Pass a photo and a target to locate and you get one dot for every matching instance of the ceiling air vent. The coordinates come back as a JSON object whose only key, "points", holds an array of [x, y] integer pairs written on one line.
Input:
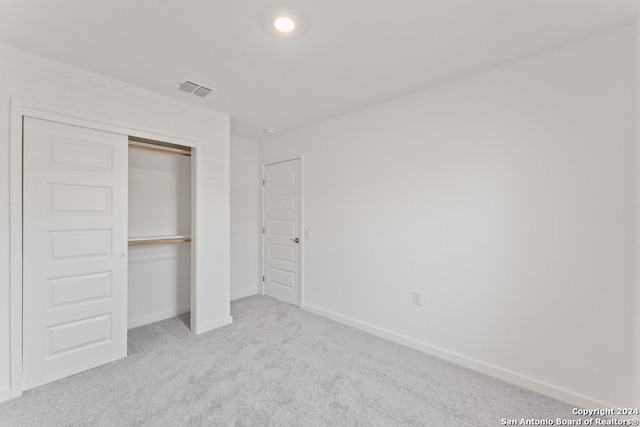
{"points": [[202, 91], [195, 88], [188, 86]]}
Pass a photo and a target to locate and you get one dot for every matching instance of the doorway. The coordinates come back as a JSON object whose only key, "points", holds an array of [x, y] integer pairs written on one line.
{"points": [[282, 242]]}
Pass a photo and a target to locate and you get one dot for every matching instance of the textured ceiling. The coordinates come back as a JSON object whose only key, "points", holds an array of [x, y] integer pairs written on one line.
{"points": [[345, 55]]}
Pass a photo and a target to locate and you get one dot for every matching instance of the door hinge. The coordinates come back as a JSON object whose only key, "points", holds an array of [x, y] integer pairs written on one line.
{"points": [[263, 182], [263, 278], [262, 230]]}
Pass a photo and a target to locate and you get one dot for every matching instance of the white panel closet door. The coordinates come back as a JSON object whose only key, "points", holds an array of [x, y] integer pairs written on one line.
{"points": [[75, 245], [281, 251]]}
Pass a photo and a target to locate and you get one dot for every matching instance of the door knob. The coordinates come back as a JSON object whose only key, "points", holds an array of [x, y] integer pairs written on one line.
{"points": [[296, 240]]}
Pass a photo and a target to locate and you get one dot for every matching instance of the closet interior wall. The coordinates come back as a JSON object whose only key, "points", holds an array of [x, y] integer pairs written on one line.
{"points": [[159, 272]]}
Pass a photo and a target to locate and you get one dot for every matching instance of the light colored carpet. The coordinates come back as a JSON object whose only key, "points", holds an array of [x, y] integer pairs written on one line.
{"points": [[278, 366]]}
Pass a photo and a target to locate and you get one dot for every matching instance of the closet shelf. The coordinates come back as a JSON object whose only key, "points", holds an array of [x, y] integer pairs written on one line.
{"points": [[160, 150], [158, 240]]}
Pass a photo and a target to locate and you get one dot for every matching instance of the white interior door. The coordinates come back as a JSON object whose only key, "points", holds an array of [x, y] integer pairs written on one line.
{"points": [[75, 245], [281, 216]]}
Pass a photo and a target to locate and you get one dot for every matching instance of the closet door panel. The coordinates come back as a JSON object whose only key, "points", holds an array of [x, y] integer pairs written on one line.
{"points": [[75, 245]]}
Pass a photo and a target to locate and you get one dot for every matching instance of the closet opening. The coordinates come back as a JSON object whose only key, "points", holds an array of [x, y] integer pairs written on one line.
{"points": [[159, 231], [106, 237]]}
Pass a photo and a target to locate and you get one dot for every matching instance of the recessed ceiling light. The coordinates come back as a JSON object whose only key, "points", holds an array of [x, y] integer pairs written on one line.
{"points": [[270, 131], [284, 24]]}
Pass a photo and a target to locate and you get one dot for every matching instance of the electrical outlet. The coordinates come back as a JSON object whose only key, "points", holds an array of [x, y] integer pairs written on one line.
{"points": [[417, 298]]}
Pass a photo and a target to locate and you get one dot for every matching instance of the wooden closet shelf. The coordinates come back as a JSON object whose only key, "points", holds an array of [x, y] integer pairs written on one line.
{"points": [[160, 150], [159, 241]]}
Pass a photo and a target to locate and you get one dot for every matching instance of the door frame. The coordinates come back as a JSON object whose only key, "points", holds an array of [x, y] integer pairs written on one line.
{"points": [[263, 165], [22, 108]]}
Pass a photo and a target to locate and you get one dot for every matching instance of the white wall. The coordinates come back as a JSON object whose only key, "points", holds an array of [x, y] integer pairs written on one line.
{"points": [[507, 199], [245, 217], [37, 79]]}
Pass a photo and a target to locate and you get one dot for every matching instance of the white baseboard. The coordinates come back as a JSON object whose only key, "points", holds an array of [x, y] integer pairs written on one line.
{"points": [[243, 294], [134, 323], [209, 326], [511, 377]]}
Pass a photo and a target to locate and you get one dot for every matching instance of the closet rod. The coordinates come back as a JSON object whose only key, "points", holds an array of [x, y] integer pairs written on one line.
{"points": [[159, 150], [159, 242]]}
